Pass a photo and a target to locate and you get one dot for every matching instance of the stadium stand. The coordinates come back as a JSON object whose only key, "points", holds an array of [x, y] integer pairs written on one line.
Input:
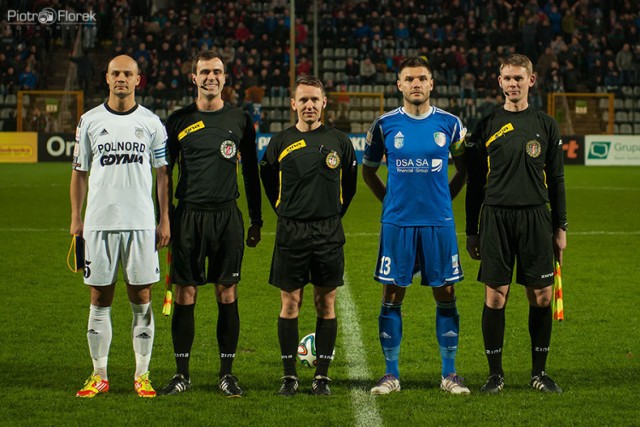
{"points": [[457, 37]]}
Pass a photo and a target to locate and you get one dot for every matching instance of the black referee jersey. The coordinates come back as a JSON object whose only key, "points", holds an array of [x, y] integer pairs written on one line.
{"points": [[514, 159], [205, 144], [309, 175]]}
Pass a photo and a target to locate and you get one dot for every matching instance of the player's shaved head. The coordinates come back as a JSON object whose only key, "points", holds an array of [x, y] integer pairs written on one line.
{"points": [[123, 62]]}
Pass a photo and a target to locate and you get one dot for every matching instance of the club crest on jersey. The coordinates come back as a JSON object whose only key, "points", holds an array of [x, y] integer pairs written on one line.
{"points": [[228, 149], [533, 148], [332, 160], [139, 132], [398, 140], [440, 139]]}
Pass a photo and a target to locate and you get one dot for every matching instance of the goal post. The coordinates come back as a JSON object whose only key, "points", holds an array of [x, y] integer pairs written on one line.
{"points": [[582, 113], [49, 110]]}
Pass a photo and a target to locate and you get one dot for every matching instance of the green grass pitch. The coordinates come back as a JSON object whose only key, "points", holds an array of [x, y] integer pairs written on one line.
{"points": [[595, 352]]}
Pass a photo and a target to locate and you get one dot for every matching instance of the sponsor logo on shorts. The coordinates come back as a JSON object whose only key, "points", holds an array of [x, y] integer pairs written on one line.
{"points": [[546, 276]]}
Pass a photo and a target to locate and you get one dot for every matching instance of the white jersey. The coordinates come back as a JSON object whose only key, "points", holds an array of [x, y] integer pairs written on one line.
{"points": [[119, 150]]}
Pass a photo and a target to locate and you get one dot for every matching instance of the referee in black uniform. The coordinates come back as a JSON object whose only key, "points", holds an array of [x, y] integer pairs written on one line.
{"points": [[205, 139], [516, 167], [309, 174]]}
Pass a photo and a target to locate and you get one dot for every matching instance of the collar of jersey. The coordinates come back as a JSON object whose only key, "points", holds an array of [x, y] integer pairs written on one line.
{"points": [[420, 117]]}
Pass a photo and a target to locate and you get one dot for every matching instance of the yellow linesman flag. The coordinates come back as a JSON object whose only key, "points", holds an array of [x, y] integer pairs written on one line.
{"points": [[168, 294], [558, 306]]}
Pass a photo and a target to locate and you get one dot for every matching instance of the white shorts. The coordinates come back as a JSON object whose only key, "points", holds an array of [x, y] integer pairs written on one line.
{"points": [[135, 250]]}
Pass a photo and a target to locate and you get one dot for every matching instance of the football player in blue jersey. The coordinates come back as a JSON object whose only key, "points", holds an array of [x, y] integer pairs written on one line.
{"points": [[418, 231]]}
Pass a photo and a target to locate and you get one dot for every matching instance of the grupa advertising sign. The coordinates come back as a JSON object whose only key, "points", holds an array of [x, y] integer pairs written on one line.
{"points": [[608, 150]]}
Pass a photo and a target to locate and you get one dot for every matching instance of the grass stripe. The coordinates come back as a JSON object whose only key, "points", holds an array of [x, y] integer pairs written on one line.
{"points": [[604, 188], [271, 233], [364, 405]]}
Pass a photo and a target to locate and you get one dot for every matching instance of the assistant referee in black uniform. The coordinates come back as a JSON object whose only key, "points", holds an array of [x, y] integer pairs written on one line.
{"points": [[204, 140], [309, 173], [515, 164]]}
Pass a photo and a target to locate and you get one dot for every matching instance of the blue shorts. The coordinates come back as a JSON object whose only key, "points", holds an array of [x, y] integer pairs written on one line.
{"points": [[406, 250]]}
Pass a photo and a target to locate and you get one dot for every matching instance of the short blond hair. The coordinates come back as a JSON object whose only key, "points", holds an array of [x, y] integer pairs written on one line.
{"points": [[517, 60]]}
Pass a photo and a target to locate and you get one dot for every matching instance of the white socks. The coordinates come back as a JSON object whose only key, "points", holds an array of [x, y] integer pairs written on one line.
{"points": [[99, 334], [99, 338], [142, 331]]}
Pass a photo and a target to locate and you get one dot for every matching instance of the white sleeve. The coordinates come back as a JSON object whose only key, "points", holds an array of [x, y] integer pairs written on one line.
{"points": [[82, 154], [158, 144]]}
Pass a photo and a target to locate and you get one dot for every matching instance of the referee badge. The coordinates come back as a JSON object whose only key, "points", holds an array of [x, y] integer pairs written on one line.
{"points": [[228, 149], [533, 148], [333, 160]]}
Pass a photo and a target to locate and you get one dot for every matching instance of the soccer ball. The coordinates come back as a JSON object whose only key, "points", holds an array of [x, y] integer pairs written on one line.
{"points": [[307, 351]]}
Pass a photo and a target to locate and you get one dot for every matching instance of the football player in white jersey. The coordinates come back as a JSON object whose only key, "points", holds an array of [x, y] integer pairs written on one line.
{"points": [[117, 145]]}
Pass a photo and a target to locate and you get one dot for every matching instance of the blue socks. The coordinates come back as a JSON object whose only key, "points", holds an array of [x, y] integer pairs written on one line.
{"points": [[390, 328], [447, 329]]}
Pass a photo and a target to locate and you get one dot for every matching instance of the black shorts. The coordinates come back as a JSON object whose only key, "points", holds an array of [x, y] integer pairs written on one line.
{"points": [[510, 235], [308, 251], [198, 234]]}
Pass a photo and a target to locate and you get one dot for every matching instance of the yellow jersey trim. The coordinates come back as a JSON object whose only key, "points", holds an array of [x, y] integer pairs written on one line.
{"points": [[505, 129], [293, 147], [193, 128], [279, 188]]}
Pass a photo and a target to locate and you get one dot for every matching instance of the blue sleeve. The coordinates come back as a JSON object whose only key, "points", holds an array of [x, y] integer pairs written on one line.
{"points": [[374, 149]]}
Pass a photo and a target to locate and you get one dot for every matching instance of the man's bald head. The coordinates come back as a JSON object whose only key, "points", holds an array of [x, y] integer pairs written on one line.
{"points": [[123, 63]]}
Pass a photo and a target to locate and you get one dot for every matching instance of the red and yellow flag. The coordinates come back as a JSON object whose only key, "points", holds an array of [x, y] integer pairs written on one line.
{"points": [[558, 306], [168, 295]]}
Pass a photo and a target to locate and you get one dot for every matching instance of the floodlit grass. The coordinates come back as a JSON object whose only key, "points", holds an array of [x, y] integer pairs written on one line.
{"points": [[595, 354]]}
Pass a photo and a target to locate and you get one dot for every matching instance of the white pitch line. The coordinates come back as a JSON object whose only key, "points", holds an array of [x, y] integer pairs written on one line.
{"points": [[364, 404]]}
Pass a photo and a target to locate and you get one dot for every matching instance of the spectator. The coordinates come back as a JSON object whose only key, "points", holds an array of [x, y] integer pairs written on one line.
{"points": [[469, 113], [302, 33], [304, 66], [10, 81], [39, 121], [367, 71], [467, 87], [242, 33], [28, 79], [402, 36], [612, 77], [624, 62], [570, 77], [352, 71]]}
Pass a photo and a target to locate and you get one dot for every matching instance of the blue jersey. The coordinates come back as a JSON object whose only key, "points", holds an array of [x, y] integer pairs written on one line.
{"points": [[417, 151]]}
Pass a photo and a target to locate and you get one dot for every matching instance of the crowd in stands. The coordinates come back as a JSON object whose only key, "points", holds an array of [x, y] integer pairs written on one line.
{"points": [[575, 45]]}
